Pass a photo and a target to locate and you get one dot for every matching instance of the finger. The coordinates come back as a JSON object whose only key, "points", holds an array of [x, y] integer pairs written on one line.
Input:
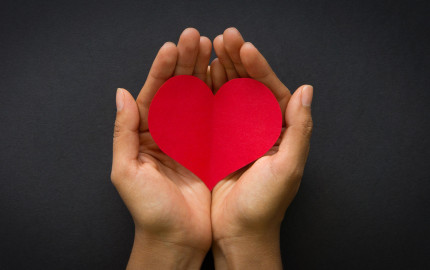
{"points": [[126, 137], [161, 70], [294, 147], [224, 58], [258, 68], [219, 77], [188, 48], [203, 58], [208, 77], [233, 41]]}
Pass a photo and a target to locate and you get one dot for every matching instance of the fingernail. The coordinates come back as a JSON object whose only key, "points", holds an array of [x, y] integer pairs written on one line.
{"points": [[307, 93], [119, 99]]}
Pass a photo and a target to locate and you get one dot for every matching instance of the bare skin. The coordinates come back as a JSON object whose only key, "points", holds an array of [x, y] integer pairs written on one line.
{"points": [[249, 205], [170, 205], [177, 219]]}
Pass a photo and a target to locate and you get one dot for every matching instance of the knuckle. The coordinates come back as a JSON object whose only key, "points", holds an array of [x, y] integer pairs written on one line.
{"points": [[307, 126], [189, 48], [165, 60], [117, 129]]}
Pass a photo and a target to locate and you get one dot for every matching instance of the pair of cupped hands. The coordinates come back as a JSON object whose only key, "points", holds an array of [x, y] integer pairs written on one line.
{"points": [[177, 218]]}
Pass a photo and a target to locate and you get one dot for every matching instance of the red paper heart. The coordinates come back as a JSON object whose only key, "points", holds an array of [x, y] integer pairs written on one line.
{"points": [[214, 136]]}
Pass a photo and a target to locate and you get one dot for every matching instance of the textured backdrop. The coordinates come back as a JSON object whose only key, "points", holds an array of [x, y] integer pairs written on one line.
{"points": [[364, 200]]}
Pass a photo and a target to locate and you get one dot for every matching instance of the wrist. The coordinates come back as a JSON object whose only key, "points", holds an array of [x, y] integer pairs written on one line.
{"points": [[152, 253], [252, 251]]}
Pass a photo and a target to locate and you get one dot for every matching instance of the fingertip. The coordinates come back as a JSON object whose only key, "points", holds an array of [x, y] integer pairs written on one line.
{"points": [[191, 31], [249, 45], [119, 99], [253, 61], [214, 62], [127, 111], [167, 55], [206, 44], [299, 104], [205, 40], [232, 32], [248, 52], [306, 95], [218, 40], [169, 48], [127, 94], [297, 95], [216, 67], [188, 43], [231, 28], [169, 44], [190, 35], [129, 102]]}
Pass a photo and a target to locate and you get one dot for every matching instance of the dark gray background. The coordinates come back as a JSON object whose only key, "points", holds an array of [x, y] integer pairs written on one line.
{"points": [[364, 199]]}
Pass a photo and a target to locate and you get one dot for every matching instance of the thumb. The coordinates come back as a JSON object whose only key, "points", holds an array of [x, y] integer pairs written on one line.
{"points": [[126, 137], [294, 147]]}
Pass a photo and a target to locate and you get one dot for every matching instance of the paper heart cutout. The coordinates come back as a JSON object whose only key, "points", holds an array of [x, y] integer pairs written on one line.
{"points": [[214, 135]]}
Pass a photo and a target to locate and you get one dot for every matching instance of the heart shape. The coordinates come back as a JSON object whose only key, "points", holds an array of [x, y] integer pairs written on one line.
{"points": [[214, 135]]}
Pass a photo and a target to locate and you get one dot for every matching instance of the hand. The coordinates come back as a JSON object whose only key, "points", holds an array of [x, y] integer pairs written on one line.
{"points": [[248, 206], [170, 206]]}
